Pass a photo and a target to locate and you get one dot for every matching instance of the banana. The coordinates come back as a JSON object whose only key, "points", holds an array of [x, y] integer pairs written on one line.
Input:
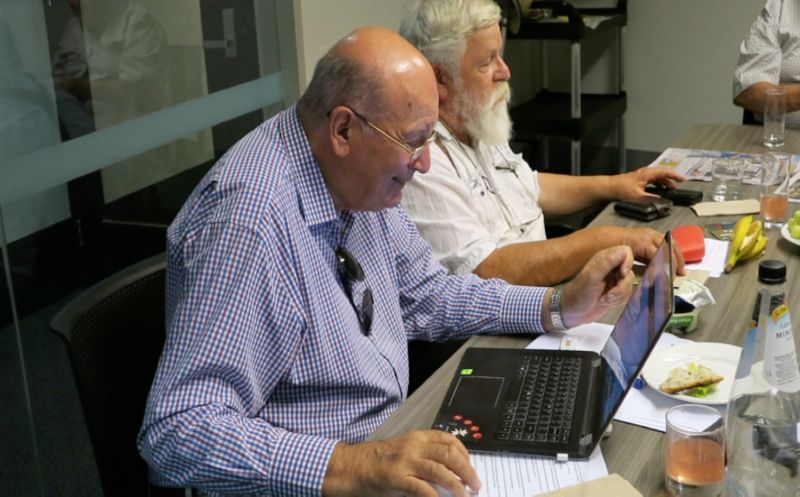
{"points": [[740, 231], [755, 229], [757, 250], [749, 242]]}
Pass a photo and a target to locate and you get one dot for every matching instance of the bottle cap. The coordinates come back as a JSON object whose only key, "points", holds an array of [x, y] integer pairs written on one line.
{"points": [[771, 271]]}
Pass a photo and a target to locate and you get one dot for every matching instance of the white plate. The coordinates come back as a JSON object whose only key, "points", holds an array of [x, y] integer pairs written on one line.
{"points": [[785, 234], [722, 358]]}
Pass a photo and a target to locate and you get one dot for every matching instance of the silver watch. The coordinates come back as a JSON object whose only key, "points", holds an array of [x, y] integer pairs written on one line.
{"points": [[555, 311]]}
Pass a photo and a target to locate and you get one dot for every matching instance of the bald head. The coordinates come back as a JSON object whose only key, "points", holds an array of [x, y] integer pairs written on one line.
{"points": [[373, 69], [382, 51]]}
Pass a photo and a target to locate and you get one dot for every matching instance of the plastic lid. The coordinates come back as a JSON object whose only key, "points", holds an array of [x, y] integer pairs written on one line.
{"points": [[771, 271]]}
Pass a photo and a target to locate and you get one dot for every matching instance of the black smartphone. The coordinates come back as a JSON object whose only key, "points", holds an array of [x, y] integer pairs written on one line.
{"points": [[676, 195], [654, 209]]}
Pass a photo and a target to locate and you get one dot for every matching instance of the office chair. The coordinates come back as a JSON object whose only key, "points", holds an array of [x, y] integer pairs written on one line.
{"points": [[114, 333], [749, 118]]}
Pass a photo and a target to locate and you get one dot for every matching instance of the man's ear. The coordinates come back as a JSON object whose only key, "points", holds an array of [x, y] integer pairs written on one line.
{"points": [[339, 131], [440, 83]]}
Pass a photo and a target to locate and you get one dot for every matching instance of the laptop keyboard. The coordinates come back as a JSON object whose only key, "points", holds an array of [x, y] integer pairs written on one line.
{"points": [[543, 410]]}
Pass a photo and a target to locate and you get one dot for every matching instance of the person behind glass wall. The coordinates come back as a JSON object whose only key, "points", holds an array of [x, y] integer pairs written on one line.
{"points": [[769, 58], [26, 113], [108, 65], [294, 282]]}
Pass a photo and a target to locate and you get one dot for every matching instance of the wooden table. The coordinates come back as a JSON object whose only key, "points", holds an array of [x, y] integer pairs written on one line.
{"points": [[634, 452]]}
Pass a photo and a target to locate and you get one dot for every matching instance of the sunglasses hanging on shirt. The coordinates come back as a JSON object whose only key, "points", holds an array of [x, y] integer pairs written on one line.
{"points": [[350, 271]]}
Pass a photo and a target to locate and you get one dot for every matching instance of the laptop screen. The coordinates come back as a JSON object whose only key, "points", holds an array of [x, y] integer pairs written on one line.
{"points": [[638, 328]]}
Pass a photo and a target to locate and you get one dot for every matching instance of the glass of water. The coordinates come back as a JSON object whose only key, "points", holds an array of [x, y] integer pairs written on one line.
{"points": [[774, 118], [694, 451], [727, 174]]}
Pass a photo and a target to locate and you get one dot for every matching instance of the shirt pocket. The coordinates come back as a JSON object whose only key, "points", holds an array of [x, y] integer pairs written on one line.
{"points": [[479, 186]]}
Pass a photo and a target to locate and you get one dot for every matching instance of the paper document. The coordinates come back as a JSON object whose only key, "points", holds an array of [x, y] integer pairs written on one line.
{"points": [[612, 484], [516, 475], [714, 258], [590, 336]]}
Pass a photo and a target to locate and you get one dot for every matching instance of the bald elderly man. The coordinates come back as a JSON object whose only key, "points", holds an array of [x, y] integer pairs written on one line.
{"points": [[294, 282]]}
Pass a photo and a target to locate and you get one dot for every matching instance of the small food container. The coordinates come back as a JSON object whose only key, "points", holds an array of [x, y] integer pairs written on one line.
{"points": [[684, 319], [690, 297]]}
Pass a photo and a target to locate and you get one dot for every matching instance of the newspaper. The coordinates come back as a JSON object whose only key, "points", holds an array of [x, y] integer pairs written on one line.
{"points": [[695, 165]]}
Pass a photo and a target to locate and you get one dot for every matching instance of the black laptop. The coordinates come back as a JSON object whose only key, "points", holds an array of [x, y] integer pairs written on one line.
{"points": [[557, 402]]}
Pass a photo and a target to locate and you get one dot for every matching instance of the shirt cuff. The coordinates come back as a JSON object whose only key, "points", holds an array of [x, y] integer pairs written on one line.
{"points": [[744, 81], [522, 309], [299, 464]]}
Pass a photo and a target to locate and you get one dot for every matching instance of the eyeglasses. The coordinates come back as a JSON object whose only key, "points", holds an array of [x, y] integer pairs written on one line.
{"points": [[349, 271], [415, 152]]}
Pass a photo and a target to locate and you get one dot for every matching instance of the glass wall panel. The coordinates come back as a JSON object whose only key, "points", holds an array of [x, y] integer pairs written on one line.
{"points": [[110, 113]]}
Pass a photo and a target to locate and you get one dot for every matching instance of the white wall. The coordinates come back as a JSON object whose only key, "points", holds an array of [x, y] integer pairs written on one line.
{"points": [[322, 23], [679, 58]]}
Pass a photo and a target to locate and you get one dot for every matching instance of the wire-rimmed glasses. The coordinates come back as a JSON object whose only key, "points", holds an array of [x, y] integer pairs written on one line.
{"points": [[415, 152]]}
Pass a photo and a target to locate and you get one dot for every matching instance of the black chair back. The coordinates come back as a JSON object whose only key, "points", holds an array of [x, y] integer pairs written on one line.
{"points": [[114, 332]]}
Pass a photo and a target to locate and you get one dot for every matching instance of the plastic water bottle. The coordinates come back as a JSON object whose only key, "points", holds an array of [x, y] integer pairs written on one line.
{"points": [[763, 423]]}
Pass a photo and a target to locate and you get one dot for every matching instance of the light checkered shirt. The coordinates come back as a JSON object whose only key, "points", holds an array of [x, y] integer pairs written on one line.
{"points": [[265, 367], [771, 51]]}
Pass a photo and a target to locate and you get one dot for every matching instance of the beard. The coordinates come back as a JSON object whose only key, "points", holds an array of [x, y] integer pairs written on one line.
{"points": [[488, 121]]}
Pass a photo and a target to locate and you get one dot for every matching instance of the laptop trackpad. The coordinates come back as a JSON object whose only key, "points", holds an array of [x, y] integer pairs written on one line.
{"points": [[476, 391]]}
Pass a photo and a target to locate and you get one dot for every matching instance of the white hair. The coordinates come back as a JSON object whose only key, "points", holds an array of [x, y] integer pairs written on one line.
{"points": [[488, 121], [439, 28]]}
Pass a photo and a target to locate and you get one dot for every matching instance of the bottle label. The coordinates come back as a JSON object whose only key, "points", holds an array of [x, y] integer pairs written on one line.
{"points": [[780, 360]]}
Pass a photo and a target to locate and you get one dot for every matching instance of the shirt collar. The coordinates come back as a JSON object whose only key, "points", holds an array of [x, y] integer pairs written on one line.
{"points": [[316, 202], [443, 132], [447, 136]]}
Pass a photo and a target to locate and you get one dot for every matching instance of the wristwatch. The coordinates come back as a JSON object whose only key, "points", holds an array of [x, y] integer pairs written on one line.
{"points": [[555, 311]]}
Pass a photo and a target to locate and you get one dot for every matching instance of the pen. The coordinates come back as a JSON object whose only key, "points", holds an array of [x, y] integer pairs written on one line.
{"points": [[638, 383]]}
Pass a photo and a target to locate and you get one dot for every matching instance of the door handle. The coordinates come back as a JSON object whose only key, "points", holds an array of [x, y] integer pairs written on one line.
{"points": [[228, 33]]}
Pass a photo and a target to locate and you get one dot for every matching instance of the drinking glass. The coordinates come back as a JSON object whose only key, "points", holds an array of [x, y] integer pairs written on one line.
{"points": [[773, 178], [774, 118], [695, 451], [727, 174]]}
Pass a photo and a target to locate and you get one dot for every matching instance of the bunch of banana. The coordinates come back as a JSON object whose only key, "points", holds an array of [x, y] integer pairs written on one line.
{"points": [[748, 242]]}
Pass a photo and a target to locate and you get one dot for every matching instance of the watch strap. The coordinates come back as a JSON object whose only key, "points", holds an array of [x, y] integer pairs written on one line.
{"points": [[555, 311]]}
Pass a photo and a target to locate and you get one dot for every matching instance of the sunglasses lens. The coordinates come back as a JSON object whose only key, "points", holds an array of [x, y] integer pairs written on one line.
{"points": [[352, 271], [351, 266], [366, 312]]}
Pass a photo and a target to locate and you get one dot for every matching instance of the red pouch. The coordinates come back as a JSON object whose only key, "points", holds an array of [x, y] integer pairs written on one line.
{"points": [[691, 240]]}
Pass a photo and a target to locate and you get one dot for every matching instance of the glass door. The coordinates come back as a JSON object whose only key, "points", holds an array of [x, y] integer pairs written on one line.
{"points": [[110, 113]]}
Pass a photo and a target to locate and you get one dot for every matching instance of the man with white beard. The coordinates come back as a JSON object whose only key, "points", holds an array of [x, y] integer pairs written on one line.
{"points": [[481, 207]]}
